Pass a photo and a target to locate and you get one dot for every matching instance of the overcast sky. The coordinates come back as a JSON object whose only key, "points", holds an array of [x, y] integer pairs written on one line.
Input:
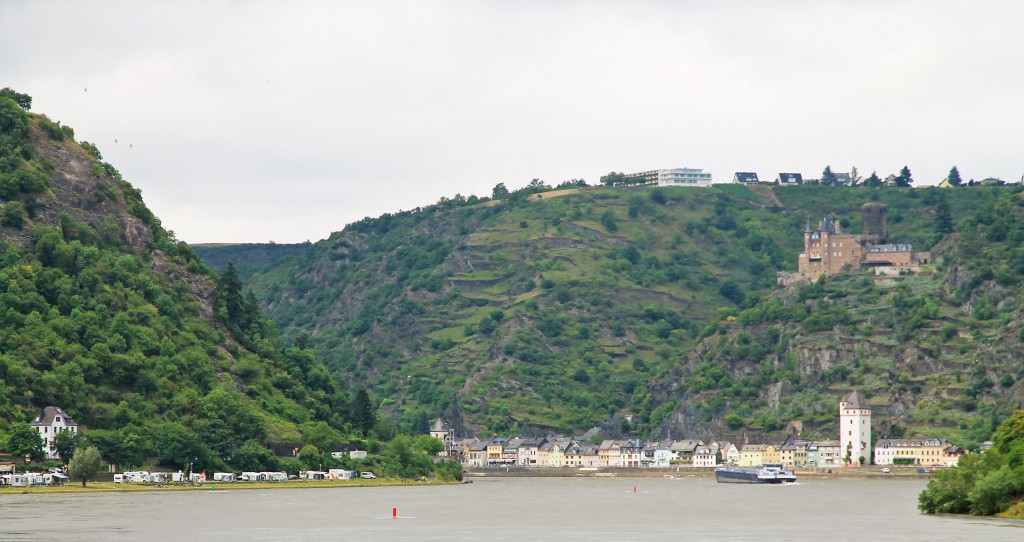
{"points": [[283, 121]]}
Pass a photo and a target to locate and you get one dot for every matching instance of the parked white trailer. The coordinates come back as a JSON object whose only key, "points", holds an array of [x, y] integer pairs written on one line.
{"points": [[178, 477], [225, 477], [159, 477], [16, 480], [312, 475], [274, 476], [136, 477], [251, 477], [340, 474]]}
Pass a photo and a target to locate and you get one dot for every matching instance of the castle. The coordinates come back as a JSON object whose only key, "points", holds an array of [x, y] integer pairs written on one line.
{"points": [[830, 251]]}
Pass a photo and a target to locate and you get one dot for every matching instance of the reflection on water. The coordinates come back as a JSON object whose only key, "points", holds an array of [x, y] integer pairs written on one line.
{"points": [[504, 509]]}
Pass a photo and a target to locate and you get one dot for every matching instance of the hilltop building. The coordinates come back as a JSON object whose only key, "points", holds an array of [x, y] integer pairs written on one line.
{"points": [[855, 429], [50, 421], [790, 179], [673, 177], [745, 177], [830, 251]]}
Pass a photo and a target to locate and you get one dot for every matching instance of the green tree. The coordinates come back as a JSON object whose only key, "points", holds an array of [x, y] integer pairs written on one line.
{"points": [[614, 178], [178, 446], [64, 443], [943, 217], [24, 101], [14, 215], [827, 177], [311, 457], [904, 179], [873, 181], [86, 463], [499, 191], [24, 441], [608, 221], [954, 177], [363, 415], [253, 457], [321, 435], [429, 445]]}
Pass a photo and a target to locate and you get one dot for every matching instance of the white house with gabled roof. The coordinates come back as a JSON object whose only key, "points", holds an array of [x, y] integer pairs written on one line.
{"points": [[50, 421]]}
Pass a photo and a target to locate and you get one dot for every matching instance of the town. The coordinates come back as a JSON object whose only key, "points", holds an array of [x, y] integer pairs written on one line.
{"points": [[850, 450]]}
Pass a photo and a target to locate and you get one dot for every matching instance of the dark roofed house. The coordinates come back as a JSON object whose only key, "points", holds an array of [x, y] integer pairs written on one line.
{"points": [[790, 179], [745, 177], [50, 421]]}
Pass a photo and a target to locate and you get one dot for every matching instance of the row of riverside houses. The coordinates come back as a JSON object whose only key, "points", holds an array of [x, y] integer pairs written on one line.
{"points": [[560, 451], [563, 451], [852, 448]]}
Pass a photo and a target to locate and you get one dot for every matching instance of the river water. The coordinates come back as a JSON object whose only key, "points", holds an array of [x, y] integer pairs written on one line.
{"points": [[520, 509]]}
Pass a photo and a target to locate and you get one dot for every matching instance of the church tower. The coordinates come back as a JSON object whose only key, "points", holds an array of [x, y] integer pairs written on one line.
{"points": [[854, 429]]}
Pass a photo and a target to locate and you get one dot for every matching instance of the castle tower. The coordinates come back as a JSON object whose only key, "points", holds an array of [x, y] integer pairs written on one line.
{"points": [[855, 429], [873, 223]]}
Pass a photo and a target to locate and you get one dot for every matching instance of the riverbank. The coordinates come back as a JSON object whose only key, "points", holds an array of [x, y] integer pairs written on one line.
{"points": [[106, 487], [902, 473]]}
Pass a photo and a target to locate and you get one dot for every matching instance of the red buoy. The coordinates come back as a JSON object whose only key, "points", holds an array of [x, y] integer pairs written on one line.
{"points": [[634, 489], [394, 512]]}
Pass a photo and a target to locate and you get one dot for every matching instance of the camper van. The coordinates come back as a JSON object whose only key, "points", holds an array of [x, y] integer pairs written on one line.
{"points": [[159, 477], [178, 477], [225, 477]]}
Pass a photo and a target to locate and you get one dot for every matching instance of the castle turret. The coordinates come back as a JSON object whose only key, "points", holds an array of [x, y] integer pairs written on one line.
{"points": [[873, 223], [855, 429]]}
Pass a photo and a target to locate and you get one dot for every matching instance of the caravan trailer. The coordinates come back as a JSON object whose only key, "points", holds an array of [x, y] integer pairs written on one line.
{"points": [[312, 475], [340, 474], [136, 477], [16, 480], [251, 477], [225, 477], [159, 477], [178, 477], [274, 476]]}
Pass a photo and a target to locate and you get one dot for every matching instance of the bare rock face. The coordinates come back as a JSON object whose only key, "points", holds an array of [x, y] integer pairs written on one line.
{"points": [[80, 187]]}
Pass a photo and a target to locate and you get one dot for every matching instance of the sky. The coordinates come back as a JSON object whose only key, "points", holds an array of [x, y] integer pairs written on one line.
{"points": [[284, 121]]}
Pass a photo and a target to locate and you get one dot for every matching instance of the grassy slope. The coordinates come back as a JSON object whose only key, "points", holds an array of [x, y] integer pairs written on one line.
{"points": [[937, 353], [109, 318], [587, 327]]}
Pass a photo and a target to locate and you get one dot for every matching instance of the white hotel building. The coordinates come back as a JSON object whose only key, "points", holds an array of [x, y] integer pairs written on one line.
{"points": [[682, 176]]}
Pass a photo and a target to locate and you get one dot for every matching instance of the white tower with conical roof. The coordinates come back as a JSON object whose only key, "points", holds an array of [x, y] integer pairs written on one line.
{"points": [[854, 429]]}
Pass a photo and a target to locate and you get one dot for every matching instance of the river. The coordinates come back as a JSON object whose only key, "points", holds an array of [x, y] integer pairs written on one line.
{"points": [[520, 509]]}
